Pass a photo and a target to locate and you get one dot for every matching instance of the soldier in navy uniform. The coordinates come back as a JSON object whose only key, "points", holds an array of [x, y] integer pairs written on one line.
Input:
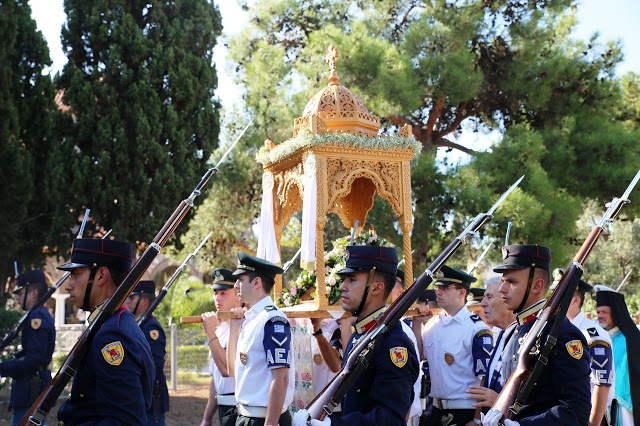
{"points": [[138, 302], [457, 345], [114, 383], [562, 394], [383, 393], [29, 368], [259, 354]]}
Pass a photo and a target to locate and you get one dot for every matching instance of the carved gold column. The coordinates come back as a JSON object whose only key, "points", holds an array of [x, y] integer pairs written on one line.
{"points": [[406, 221], [277, 288]]}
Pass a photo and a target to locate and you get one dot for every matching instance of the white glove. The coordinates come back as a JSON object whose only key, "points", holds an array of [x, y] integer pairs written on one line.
{"points": [[492, 418], [301, 417]]}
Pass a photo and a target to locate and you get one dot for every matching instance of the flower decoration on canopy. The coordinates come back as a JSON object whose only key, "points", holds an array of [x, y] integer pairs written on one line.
{"points": [[334, 261]]}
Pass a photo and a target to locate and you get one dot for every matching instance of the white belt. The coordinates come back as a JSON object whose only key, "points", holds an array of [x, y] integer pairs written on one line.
{"points": [[453, 404], [253, 411], [226, 399]]}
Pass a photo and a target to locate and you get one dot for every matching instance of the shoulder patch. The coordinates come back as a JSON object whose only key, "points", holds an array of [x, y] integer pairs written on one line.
{"points": [[599, 343], [36, 323], [574, 347], [475, 318], [592, 332], [399, 356], [484, 332], [113, 353], [154, 334], [269, 308]]}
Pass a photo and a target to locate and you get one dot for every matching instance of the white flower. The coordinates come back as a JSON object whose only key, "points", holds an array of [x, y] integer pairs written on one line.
{"points": [[327, 289], [373, 238], [287, 302], [332, 280]]}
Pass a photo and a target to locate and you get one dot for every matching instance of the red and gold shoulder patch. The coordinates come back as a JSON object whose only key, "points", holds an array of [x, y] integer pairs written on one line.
{"points": [[36, 323], [574, 347], [154, 334], [399, 356], [113, 353]]}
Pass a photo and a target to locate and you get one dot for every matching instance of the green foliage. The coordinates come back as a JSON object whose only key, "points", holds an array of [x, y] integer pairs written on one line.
{"points": [[196, 357], [140, 84], [188, 297], [8, 318], [26, 136]]}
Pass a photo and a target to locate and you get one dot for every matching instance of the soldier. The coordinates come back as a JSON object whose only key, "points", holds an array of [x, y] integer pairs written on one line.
{"points": [[383, 393], [613, 316], [562, 394], [114, 383], [29, 368], [138, 302], [259, 353], [325, 348], [457, 345], [222, 386]]}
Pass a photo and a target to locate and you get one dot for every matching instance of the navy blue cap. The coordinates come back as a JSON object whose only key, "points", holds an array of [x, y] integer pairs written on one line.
{"points": [[428, 296], [146, 287], [29, 277], [448, 275], [223, 279], [522, 256], [248, 263], [365, 258], [110, 253]]}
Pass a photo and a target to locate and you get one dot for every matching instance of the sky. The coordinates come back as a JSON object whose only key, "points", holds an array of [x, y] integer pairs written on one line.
{"points": [[612, 19]]}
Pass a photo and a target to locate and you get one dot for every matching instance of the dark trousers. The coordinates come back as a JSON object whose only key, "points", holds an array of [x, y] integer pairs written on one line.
{"points": [[285, 420], [227, 414], [449, 417]]}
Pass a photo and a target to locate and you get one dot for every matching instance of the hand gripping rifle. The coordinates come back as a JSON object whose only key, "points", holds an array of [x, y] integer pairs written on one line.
{"points": [[43, 299], [360, 356], [47, 399], [147, 314], [532, 356]]}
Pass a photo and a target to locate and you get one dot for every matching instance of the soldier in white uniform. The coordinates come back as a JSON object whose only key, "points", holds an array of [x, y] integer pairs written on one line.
{"points": [[602, 371], [259, 353], [325, 348], [457, 346], [222, 387]]}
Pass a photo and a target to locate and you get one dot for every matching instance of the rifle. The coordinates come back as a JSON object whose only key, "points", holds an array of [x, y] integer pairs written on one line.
{"points": [[549, 320], [358, 359], [147, 314], [48, 398], [42, 300]]}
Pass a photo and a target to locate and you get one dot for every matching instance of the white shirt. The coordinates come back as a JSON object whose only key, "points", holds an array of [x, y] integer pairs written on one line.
{"points": [[587, 326], [321, 372], [253, 379], [416, 405], [224, 385], [451, 338]]}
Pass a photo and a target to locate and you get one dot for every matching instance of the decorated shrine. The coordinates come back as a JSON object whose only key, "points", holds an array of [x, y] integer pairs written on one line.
{"points": [[336, 162]]}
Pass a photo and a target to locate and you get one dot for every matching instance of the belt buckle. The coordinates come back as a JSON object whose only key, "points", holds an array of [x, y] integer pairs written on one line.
{"points": [[440, 404]]}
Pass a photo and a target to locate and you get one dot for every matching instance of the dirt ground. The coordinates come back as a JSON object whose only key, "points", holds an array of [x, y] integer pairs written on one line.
{"points": [[187, 406]]}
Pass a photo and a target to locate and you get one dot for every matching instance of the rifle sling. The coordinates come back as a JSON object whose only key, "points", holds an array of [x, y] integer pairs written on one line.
{"points": [[552, 339]]}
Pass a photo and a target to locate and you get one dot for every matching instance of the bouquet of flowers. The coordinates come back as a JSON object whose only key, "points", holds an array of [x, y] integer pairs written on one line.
{"points": [[334, 261]]}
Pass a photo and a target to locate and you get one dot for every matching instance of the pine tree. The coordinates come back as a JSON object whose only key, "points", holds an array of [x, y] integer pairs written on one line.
{"points": [[143, 119]]}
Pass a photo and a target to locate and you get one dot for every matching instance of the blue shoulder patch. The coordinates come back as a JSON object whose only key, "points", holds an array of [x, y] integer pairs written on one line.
{"points": [[277, 342]]}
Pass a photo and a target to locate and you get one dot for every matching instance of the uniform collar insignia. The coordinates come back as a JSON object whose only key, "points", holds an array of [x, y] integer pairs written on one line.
{"points": [[530, 313], [365, 324], [93, 315]]}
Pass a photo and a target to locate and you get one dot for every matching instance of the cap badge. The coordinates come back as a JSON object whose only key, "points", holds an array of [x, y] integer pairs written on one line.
{"points": [[505, 252], [398, 356], [449, 358], [218, 276], [35, 323], [113, 353], [347, 256]]}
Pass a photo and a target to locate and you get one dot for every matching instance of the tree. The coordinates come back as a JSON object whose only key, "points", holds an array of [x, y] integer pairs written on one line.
{"points": [[143, 121], [27, 110]]}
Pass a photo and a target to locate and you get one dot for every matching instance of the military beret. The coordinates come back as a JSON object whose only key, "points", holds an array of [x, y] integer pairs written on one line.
{"points": [[110, 253], [29, 277], [248, 263], [448, 275], [222, 279], [557, 274], [522, 256], [146, 287], [365, 258]]}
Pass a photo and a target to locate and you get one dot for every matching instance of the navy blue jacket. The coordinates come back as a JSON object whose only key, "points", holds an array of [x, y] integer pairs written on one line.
{"points": [[114, 384], [158, 341], [38, 342], [383, 393], [562, 395]]}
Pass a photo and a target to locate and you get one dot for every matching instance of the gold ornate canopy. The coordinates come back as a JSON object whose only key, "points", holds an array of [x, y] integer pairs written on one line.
{"points": [[337, 140]]}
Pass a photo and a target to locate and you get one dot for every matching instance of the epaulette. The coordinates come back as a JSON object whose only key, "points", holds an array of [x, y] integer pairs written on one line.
{"points": [[269, 308], [475, 318], [592, 332]]}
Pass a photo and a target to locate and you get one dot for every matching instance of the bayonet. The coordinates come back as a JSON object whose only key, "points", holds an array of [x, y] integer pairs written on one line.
{"points": [[288, 264], [624, 279], [506, 237], [477, 262], [353, 233], [233, 144]]}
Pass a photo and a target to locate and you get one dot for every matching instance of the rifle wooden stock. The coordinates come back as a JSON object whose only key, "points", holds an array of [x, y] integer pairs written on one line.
{"points": [[41, 301], [47, 399]]}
